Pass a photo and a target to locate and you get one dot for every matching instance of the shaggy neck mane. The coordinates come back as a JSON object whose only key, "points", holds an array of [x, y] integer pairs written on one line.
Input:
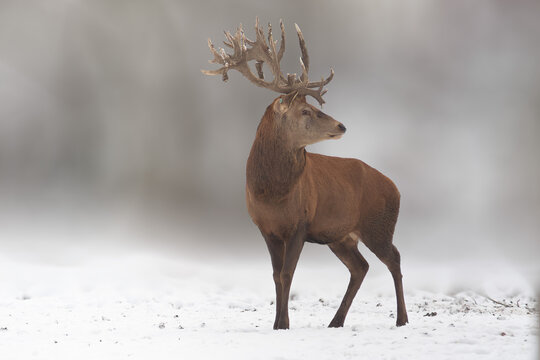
{"points": [[274, 166]]}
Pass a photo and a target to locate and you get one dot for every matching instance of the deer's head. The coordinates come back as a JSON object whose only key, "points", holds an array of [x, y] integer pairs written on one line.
{"points": [[303, 123]]}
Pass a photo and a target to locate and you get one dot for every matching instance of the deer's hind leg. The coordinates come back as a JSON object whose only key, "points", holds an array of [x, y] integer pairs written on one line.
{"points": [[378, 239], [390, 256], [347, 251]]}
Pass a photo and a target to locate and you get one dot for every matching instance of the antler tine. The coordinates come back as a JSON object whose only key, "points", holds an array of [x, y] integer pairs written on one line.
{"points": [[323, 82], [316, 94], [281, 50], [270, 36], [303, 49], [321, 90], [238, 43], [282, 45], [217, 56], [304, 77], [259, 33], [274, 64], [229, 41]]}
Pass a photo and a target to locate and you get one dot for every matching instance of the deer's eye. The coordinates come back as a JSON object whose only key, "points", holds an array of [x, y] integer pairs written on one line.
{"points": [[306, 112]]}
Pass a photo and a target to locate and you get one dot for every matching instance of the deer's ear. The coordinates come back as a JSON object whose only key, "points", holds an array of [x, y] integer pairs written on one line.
{"points": [[281, 105]]}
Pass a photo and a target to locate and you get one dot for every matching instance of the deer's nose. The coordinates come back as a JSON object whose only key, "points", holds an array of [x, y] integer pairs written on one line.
{"points": [[342, 127]]}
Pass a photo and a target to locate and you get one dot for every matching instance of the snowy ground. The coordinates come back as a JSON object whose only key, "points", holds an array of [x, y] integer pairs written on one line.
{"points": [[154, 306]]}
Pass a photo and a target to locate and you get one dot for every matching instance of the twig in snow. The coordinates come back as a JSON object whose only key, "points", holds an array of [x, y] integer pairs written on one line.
{"points": [[497, 302]]}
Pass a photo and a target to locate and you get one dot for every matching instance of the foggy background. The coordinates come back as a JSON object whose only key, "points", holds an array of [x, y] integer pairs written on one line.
{"points": [[111, 135]]}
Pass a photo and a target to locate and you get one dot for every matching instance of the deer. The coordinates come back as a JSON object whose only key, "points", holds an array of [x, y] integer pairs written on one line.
{"points": [[294, 196]]}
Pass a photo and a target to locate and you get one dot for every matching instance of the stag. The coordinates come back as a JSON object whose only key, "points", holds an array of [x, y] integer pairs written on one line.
{"points": [[294, 196]]}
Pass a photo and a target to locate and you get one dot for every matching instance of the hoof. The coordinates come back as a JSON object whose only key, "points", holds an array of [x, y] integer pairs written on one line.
{"points": [[401, 323], [335, 324], [281, 327]]}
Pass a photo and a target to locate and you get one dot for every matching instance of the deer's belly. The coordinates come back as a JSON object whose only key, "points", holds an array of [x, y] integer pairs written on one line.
{"points": [[332, 223]]}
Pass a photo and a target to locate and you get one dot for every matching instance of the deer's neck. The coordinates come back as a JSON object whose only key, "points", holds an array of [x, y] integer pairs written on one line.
{"points": [[274, 166]]}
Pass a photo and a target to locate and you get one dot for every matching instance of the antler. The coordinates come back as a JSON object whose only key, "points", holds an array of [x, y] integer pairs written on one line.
{"points": [[265, 52]]}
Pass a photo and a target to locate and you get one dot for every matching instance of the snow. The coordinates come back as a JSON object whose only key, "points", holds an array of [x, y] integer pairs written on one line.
{"points": [[143, 305]]}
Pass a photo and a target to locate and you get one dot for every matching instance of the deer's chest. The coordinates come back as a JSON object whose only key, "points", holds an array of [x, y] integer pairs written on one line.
{"points": [[280, 216]]}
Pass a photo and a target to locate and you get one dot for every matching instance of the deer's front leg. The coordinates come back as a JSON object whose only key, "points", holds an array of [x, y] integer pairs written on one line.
{"points": [[276, 247], [293, 248]]}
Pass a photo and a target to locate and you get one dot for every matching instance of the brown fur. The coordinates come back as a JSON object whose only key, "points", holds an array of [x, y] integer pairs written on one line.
{"points": [[295, 197]]}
